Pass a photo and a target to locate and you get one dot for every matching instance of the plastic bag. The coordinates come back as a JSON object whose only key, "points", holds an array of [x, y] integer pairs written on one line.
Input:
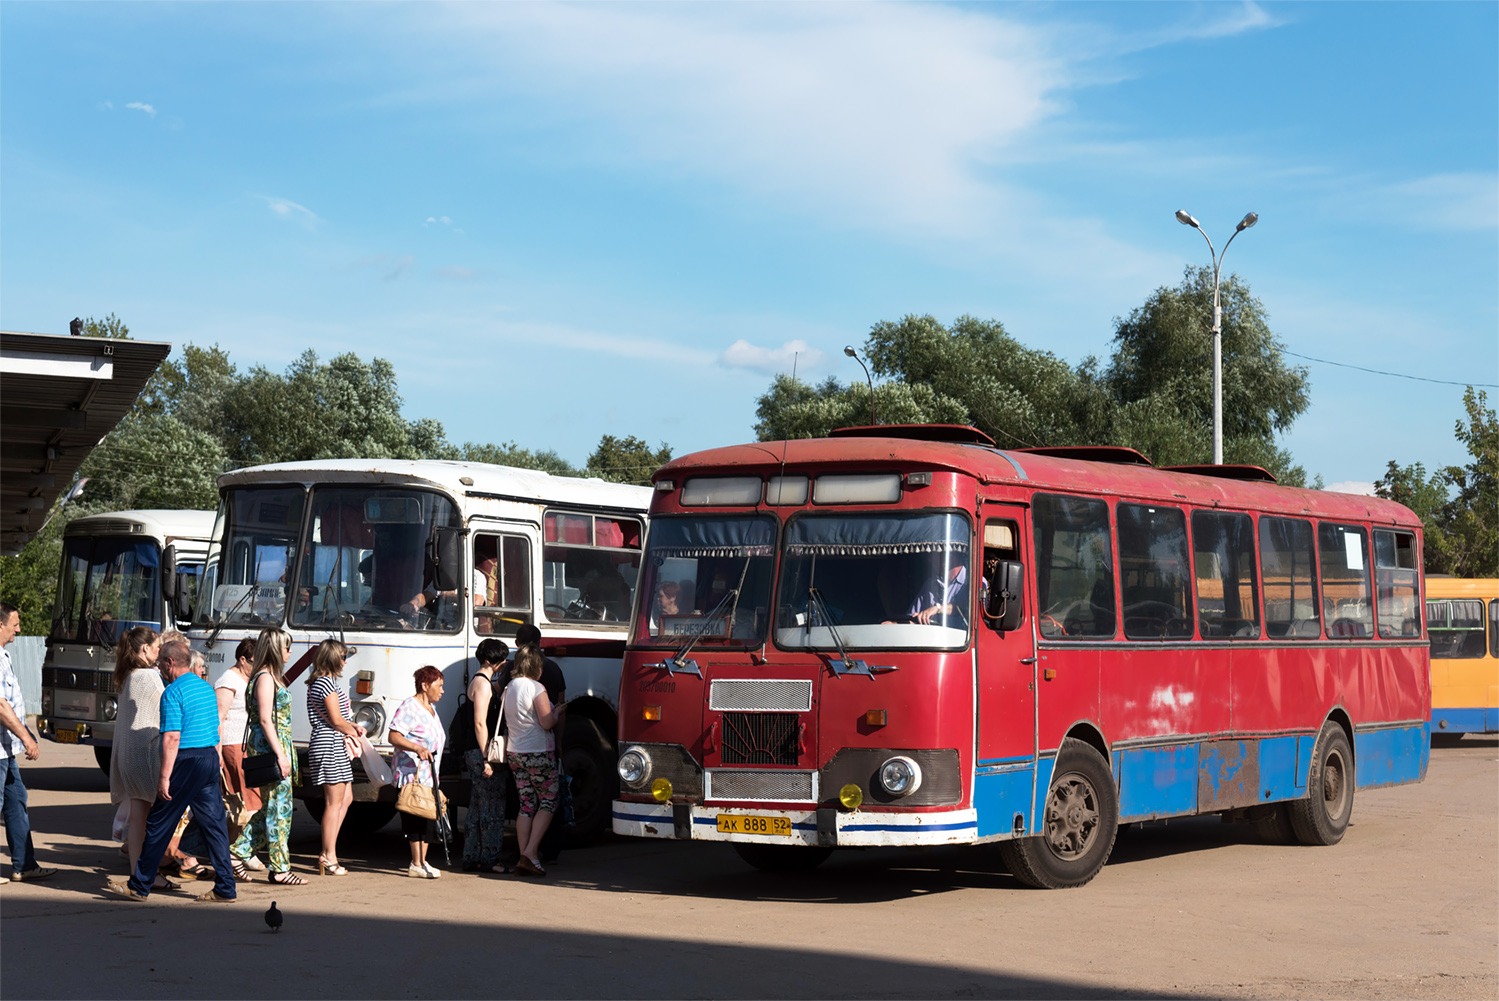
{"points": [[121, 826], [375, 767]]}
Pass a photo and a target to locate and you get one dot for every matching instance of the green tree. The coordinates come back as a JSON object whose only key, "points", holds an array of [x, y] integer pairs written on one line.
{"points": [[111, 326], [1426, 495], [510, 454], [1470, 520], [1155, 395], [626, 460]]}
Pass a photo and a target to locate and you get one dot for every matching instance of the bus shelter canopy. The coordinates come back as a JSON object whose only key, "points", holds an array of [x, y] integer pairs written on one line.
{"points": [[59, 396]]}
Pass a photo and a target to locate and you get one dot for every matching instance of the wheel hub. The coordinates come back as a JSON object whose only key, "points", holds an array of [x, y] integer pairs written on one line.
{"points": [[1071, 816]]}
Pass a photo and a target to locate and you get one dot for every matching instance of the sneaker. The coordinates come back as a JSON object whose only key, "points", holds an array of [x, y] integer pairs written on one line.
{"points": [[417, 872], [212, 897], [254, 864], [432, 871], [33, 874], [124, 890]]}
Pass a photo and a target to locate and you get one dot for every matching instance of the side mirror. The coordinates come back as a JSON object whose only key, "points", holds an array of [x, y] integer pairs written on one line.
{"points": [[445, 554], [169, 575], [182, 596], [1006, 596]]}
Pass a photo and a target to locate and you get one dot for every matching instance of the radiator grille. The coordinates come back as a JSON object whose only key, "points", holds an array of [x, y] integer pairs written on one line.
{"points": [[763, 786], [761, 696], [760, 738], [107, 682], [75, 678]]}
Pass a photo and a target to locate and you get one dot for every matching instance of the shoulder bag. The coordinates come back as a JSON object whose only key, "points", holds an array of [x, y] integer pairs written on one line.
{"points": [[420, 800], [494, 754], [260, 769]]}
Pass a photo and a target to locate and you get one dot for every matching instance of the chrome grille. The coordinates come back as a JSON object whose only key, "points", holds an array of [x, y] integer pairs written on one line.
{"points": [[762, 785], [760, 738], [77, 679], [107, 682], [761, 696]]}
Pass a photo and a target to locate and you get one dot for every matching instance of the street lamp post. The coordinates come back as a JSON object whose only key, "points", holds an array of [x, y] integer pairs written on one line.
{"points": [[1185, 218], [855, 356]]}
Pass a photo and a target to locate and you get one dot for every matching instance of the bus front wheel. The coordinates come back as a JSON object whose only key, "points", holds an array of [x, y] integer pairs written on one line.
{"points": [[782, 858], [589, 759], [1078, 827], [1323, 816], [101, 758]]}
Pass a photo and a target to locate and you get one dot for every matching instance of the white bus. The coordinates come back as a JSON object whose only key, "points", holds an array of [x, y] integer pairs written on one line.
{"points": [[124, 569], [413, 563]]}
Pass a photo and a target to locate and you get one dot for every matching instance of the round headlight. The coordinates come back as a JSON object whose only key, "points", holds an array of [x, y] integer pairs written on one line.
{"points": [[634, 767], [900, 776], [46, 702], [111, 707], [371, 718]]}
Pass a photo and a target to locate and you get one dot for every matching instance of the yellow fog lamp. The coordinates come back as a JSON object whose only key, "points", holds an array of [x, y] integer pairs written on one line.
{"points": [[851, 796], [661, 790]]}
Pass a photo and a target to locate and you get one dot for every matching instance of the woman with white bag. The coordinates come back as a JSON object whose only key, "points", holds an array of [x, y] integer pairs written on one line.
{"points": [[485, 831]]}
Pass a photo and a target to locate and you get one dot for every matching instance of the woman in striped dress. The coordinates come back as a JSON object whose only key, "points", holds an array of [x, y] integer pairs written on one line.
{"points": [[329, 749]]}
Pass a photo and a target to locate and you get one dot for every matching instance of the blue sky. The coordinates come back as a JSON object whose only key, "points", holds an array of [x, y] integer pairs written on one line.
{"points": [[563, 221]]}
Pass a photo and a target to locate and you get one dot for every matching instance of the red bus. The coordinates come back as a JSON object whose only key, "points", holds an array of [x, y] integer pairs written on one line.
{"points": [[908, 636]]}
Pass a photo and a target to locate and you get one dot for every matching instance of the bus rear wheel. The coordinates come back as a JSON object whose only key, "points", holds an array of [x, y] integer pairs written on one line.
{"points": [[782, 858], [1323, 816], [589, 760], [101, 758], [1079, 825], [362, 820]]}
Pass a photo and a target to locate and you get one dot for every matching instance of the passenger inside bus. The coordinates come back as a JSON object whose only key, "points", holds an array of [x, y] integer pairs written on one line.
{"points": [[940, 600]]}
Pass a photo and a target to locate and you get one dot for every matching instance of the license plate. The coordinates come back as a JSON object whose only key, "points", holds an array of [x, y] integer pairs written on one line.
{"points": [[735, 823], [67, 736]]}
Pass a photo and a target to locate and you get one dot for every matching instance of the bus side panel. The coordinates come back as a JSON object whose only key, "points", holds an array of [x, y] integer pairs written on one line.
{"points": [[1000, 793], [1391, 756], [1392, 684], [1156, 781], [1157, 692], [1070, 695], [1280, 688]]}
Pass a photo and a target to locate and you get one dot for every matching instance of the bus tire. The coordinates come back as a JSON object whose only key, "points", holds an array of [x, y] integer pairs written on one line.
{"points": [[589, 759], [1080, 822], [782, 858], [1275, 827], [1323, 816], [101, 757]]}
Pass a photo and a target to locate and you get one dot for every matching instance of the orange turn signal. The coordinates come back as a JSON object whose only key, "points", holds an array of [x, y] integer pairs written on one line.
{"points": [[876, 717], [1048, 673], [364, 683], [650, 713]]}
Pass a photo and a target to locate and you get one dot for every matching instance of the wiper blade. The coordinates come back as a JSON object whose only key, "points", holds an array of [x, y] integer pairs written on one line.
{"points": [[219, 626], [675, 664], [842, 665]]}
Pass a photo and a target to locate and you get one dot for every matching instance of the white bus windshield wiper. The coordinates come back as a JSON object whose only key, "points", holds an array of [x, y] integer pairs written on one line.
{"points": [[842, 665], [675, 663], [219, 626]]}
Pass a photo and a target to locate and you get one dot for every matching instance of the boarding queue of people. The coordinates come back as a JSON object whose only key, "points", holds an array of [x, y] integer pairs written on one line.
{"points": [[201, 775]]}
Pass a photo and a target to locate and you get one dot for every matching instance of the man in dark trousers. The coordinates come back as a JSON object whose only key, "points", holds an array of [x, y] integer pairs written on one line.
{"points": [[190, 765]]}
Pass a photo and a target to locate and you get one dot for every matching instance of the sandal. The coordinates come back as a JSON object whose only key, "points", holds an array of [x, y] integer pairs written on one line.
{"points": [[241, 871], [199, 871], [287, 878], [502, 869], [327, 868], [165, 884]]}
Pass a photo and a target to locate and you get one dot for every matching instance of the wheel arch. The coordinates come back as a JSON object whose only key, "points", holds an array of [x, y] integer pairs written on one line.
{"points": [[593, 708], [1339, 715], [1088, 732]]}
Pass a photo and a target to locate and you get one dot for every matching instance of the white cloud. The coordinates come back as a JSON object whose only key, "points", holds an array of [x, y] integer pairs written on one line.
{"points": [[139, 106], [106, 105], [595, 344], [1364, 488], [287, 209], [770, 361]]}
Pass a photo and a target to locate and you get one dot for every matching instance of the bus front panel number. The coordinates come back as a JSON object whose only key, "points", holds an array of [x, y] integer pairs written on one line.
{"points": [[733, 823]]}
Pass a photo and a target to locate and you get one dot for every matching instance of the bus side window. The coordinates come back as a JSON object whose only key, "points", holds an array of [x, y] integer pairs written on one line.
{"points": [[1289, 571], [1153, 572], [1343, 553], [1228, 603], [1001, 546], [1494, 628], [1074, 568], [1396, 584], [501, 585]]}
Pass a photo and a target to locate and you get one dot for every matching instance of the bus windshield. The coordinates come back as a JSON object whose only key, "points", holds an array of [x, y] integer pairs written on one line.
{"points": [[108, 585], [886, 581], [250, 556], [365, 564], [707, 577]]}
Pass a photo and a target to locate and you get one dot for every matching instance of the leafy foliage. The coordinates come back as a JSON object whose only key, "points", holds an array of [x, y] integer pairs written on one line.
{"points": [[626, 460], [1155, 395]]}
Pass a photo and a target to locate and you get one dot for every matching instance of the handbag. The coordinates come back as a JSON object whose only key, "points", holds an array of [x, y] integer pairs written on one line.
{"points": [[494, 754], [419, 801], [260, 769]]}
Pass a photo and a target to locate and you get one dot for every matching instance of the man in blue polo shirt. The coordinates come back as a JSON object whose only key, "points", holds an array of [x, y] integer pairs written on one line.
{"points": [[189, 777]]}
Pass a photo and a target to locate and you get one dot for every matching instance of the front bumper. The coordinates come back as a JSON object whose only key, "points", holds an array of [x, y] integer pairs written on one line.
{"points": [[829, 827]]}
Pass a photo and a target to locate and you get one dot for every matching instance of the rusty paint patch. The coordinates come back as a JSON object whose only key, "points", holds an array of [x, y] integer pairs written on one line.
{"points": [[1228, 775]]}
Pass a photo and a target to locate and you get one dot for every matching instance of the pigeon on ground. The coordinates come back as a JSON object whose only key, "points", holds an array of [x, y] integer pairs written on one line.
{"points": [[273, 918]]}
